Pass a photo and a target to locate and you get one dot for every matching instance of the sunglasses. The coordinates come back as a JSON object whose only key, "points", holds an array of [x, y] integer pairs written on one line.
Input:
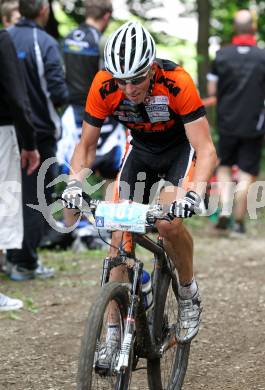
{"points": [[135, 81]]}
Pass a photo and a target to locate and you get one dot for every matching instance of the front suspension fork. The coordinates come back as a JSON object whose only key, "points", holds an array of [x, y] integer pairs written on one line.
{"points": [[129, 332]]}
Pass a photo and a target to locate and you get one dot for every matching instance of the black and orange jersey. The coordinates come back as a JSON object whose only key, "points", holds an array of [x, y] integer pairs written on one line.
{"points": [[158, 122]]}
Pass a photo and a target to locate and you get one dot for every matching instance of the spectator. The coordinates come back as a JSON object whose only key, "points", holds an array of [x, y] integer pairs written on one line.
{"points": [[10, 14], [42, 71], [14, 110], [237, 79], [82, 59]]}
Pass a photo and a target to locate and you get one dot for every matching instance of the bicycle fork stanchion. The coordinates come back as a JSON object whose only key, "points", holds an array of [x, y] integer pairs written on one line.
{"points": [[105, 273], [124, 356]]}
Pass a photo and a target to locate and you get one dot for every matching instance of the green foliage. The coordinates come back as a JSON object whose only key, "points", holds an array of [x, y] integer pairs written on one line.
{"points": [[222, 17], [66, 22], [222, 12], [140, 8], [74, 8], [261, 20]]}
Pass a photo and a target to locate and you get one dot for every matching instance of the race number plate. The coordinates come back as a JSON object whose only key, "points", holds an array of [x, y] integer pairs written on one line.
{"points": [[123, 216]]}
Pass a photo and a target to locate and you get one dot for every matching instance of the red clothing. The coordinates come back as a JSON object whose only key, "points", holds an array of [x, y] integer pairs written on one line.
{"points": [[244, 40]]}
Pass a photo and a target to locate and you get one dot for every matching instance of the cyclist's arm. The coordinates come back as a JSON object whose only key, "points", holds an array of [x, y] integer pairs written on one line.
{"points": [[85, 152], [198, 134]]}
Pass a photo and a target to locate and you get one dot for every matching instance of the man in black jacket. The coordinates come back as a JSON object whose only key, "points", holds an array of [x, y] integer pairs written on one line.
{"points": [[43, 74], [14, 111], [238, 79]]}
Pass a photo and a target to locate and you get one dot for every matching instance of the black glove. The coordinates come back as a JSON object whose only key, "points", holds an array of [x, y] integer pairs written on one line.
{"points": [[186, 207], [72, 196]]}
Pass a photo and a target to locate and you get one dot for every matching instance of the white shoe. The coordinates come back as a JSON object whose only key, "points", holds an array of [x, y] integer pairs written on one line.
{"points": [[188, 318], [107, 355], [7, 303]]}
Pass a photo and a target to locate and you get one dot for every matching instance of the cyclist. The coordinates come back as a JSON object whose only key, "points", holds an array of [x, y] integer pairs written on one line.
{"points": [[157, 100]]}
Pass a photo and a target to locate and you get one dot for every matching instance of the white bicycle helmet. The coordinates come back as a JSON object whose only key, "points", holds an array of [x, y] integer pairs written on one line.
{"points": [[129, 51]]}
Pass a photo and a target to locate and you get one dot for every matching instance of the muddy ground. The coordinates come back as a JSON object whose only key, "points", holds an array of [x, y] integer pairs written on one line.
{"points": [[39, 345]]}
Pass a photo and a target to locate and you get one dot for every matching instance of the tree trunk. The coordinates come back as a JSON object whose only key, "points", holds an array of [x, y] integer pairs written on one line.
{"points": [[203, 8]]}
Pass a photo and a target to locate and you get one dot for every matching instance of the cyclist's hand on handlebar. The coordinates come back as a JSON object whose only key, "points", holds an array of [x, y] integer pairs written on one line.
{"points": [[72, 196], [186, 207]]}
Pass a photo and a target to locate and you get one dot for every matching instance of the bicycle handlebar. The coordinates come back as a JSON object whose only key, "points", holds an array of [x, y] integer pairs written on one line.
{"points": [[155, 211]]}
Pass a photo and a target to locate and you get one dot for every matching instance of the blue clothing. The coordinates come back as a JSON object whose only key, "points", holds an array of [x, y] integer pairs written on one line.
{"points": [[42, 72], [42, 69], [81, 58]]}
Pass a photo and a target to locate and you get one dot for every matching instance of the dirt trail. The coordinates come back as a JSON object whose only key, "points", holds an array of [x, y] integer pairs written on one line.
{"points": [[40, 344]]}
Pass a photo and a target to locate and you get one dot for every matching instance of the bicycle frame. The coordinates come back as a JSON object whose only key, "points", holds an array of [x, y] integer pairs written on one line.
{"points": [[146, 345]]}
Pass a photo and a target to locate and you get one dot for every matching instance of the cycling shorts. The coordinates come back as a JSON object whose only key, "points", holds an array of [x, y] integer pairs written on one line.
{"points": [[141, 172], [243, 152]]}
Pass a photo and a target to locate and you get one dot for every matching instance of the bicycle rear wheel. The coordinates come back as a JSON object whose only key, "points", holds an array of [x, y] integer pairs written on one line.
{"points": [[168, 372], [90, 375]]}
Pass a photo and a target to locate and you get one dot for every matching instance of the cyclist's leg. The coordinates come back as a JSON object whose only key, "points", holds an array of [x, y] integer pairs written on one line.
{"points": [[177, 239], [179, 244]]}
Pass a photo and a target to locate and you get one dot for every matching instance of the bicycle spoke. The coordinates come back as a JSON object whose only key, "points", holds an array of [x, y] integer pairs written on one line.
{"points": [[168, 358]]}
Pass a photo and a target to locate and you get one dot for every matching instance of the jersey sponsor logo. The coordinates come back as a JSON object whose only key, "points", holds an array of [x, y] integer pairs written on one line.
{"points": [[108, 87], [126, 105], [128, 102], [158, 117], [156, 100], [153, 127], [133, 114], [169, 84], [130, 118], [162, 108], [128, 112], [78, 44], [78, 35], [157, 112]]}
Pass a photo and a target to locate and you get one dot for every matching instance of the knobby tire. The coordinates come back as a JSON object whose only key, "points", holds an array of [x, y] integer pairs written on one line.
{"points": [[111, 291], [181, 356]]}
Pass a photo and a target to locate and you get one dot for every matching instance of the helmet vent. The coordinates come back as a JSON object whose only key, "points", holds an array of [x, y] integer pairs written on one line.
{"points": [[129, 51]]}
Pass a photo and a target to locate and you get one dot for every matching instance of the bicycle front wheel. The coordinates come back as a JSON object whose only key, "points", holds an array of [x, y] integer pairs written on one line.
{"points": [[168, 372], [91, 374]]}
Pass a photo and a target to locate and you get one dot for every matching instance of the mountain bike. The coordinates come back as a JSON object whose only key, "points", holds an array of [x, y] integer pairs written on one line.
{"points": [[148, 334]]}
